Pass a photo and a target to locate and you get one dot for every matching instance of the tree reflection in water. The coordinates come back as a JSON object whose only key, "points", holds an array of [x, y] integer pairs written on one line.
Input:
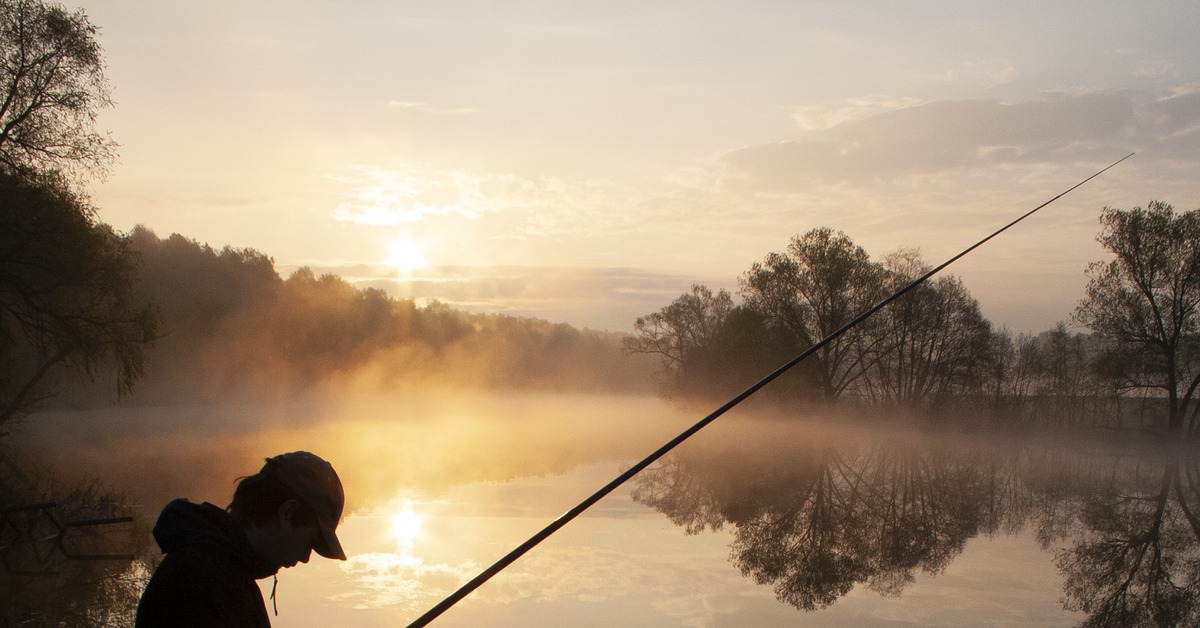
{"points": [[1135, 560], [69, 555], [815, 519]]}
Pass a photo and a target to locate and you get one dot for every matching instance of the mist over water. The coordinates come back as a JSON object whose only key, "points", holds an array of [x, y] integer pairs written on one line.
{"points": [[761, 519], [378, 444]]}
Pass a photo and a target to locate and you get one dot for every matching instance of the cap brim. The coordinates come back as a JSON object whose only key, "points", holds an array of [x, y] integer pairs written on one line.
{"points": [[331, 547]]}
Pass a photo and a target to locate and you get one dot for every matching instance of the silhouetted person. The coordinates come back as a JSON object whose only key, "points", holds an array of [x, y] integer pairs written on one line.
{"points": [[213, 556]]}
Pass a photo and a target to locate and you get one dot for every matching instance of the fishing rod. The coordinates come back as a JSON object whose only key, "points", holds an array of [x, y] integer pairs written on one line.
{"points": [[566, 517]]}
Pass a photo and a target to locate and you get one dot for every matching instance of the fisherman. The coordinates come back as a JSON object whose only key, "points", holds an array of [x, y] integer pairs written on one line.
{"points": [[213, 556]]}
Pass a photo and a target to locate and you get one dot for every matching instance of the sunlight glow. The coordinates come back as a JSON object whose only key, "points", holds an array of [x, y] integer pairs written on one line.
{"points": [[406, 255], [406, 523]]}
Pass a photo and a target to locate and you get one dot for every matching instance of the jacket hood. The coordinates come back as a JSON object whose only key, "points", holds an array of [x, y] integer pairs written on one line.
{"points": [[183, 525]]}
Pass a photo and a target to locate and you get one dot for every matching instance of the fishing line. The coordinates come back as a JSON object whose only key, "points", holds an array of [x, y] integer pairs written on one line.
{"points": [[566, 517]]}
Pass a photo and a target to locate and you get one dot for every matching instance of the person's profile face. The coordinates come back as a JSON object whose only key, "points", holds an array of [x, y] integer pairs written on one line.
{"points": [[290, 542], [299, 545]]}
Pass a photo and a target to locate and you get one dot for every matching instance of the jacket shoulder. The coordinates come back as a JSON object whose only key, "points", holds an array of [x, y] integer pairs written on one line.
{"points": [[201, 586]]}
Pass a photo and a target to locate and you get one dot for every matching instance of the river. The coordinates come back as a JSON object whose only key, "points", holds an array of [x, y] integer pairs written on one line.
{"points": [[757, 521]]}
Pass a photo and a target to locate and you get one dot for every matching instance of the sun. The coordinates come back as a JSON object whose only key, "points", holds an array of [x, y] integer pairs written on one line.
{"points": [[406, 523], [406, 255]]}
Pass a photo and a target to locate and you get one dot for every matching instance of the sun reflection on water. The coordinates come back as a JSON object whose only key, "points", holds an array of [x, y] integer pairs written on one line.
{"points": [[395, 574]]}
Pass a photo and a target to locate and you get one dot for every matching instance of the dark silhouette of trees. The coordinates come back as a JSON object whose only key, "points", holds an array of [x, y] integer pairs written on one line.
{"points": [[931, 344], [52, 85], [707, 346], [66, 282], [197, 286], [1146, 303], [933, 350], [1056, 377], [820, 283], [682, 329], [66, 294]]}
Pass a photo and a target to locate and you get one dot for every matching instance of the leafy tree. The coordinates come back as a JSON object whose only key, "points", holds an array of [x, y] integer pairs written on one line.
{"points": [[197, 286], [66, 294], [1146, 301], [931, 344], [53, 85], [820, 283]]}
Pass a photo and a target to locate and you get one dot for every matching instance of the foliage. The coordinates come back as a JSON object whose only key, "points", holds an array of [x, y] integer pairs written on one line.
{"points": [[930, 346], [52, 70], [1146, 302], [66, 294], [820, 283], [706, 345]]}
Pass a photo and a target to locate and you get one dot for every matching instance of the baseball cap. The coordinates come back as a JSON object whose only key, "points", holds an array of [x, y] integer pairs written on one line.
{"points": [[313, 480]]}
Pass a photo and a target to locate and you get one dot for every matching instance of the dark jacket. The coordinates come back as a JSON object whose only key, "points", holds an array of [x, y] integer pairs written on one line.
{"points": [[207, 577]]}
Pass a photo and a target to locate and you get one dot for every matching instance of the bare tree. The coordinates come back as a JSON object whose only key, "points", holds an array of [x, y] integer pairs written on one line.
{"points": [[1146, 301], [52, 86], [683, 328]]}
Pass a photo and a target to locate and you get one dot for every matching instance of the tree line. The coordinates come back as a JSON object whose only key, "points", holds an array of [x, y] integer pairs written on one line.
{"points": [[933, 351], [232, 324]]}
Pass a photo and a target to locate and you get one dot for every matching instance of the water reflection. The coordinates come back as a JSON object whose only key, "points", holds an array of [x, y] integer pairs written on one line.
{"points": [[814, 519], [1134, 557], [809, 516], [393, 573], [69, 553]]}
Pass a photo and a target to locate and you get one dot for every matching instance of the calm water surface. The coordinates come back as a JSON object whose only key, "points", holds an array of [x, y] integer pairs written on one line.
{"points": [[752, 523]]}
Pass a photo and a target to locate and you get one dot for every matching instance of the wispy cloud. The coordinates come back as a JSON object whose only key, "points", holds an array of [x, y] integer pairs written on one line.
{"points": [[985, 73], [396, 196], [406, 194], [424, 107], [825, 116]]}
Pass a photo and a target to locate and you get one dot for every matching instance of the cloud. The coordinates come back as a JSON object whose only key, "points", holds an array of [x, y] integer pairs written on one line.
{"points": [[957, 136], [986, 73], [396, 196], [825, 116], [385, 579], [515, 206]]}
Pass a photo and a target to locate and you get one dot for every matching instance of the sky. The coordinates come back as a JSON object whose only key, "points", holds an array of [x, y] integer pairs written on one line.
{"points": [[587, 162]]}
